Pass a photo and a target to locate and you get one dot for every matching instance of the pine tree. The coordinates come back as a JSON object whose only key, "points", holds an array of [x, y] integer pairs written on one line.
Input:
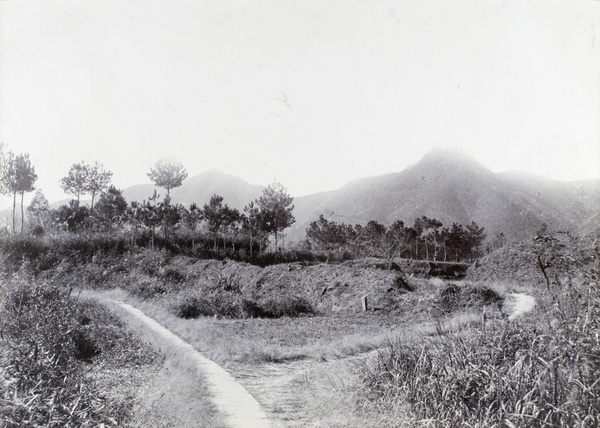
{"points": [[214, 214], [276, 207], [97, 181], [85, 179], [18, 177], [167, 173], [76, 180], [39, 208], [111, 206]]}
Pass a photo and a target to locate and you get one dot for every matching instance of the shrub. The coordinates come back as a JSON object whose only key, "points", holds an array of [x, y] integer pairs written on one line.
{"points": [[227, 281], [222, 304], [18, 249], [284, 306], [42, 383], [47, 337], [38, 231], [503, 374], [514, 376], [147, 288], [454, 297], [171, 274], [234, 305]]}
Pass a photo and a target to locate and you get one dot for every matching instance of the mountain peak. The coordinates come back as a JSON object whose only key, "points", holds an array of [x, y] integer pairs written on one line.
{"points": [[448, 155], [439, 161]]}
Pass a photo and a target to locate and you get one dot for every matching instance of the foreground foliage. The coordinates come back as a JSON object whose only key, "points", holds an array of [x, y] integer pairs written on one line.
{"points": [[538, 373], [50, 344]]}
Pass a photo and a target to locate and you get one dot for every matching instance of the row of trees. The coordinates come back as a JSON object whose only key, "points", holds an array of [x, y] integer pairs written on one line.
{"points": [[427, 239], [86, 179], [267, 216]]}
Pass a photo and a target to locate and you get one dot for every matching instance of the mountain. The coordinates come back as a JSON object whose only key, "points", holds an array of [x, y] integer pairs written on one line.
{"points": [[453, 187], [446, 184], [236, 192]]}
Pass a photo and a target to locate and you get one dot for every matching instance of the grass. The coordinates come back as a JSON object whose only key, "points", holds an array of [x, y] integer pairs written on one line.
{"points": [[447, 356], [513, 376], [68, 361], [55, 353], [270, 340], [542, 371], [175, 395]]}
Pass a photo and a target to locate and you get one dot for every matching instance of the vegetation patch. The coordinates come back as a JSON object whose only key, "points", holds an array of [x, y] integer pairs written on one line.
{"points": [[538, 372], [235, 305], [454, 297], [512, 376], [51, 343]]}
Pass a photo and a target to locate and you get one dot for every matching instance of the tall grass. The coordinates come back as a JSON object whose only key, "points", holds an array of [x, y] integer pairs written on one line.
{"points": [[543, 371], [50, 342], [514, 376]]}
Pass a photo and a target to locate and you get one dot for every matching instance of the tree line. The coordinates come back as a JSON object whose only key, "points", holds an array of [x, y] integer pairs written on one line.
{"points": [[427, 239], [257, 227], [261, 222]]}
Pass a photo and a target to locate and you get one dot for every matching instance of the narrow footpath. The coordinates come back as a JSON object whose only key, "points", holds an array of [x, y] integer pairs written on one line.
{"points": [[230, 398], [271, 383]]}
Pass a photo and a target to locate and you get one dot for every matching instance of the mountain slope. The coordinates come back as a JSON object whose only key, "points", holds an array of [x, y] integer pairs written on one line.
{"points": [[453, 187], [236, 192]]}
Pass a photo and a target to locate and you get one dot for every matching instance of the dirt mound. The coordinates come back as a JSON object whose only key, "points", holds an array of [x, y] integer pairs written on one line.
{"points": [[425, 268], [513, 263], [454, 298], [328, 288], [548, 259]]}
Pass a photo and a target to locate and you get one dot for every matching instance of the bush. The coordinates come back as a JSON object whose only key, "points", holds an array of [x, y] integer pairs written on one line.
{"points": [[43, 383], [514, 376], [38, 231], [234, 305], [147, 288], [18, 249], [285, 306], [221, 304], [542, 373], [454, 297], [47, 340]]}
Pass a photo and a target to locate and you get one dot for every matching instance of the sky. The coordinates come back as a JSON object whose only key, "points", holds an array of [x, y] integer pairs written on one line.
{"points": [[310, 93]]}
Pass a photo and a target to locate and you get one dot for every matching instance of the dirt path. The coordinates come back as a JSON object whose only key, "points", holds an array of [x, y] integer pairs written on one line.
{"points": [[519, 304], [272, 385], [266, 394], [276, 386], [230, 397]]}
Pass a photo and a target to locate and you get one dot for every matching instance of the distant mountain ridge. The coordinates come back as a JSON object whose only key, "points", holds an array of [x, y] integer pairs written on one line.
{"points": [[453, 187], [446, 184], [236, 192]]}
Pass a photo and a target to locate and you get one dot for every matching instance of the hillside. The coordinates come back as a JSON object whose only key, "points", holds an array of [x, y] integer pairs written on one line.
{"points": [[453, 187], [236, 192], [447, 185]]}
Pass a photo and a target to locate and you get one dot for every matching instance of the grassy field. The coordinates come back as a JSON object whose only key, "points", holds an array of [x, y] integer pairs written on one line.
{"points": [[66, 361], [309, 368], [431, 352]]}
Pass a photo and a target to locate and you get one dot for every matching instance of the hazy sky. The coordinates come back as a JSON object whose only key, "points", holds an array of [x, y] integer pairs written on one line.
{"points": [[312, 93]]}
